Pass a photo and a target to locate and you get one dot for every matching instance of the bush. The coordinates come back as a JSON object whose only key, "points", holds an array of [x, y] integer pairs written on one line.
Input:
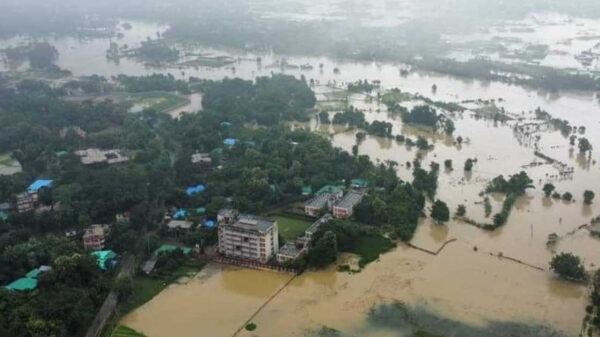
{"points": [[251, 327], [567, 196], [568, 266]]}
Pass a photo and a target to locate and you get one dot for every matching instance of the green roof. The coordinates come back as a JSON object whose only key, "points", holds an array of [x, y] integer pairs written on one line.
{"points": [[201, 210], [3, 216], [217, 151], [103, 256], [331, 189], [306, 190], [359, 183], [170, 248], [33, 273], [24, 283]]}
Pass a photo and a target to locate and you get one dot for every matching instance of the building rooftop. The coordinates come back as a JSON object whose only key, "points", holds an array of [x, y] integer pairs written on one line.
{"points": [[3, 216], [315, 226], [95, 230], [103, 256], [252, 223], [180, 214], [182, 224], [306, 190], [320, 201], [6, 206], [350, 200], [230, 141], [97, 156], [209, 223], [359, 183], [39, 184], [23, 284], [201, 158], [331, 189], [195, 189], [293, 248]]}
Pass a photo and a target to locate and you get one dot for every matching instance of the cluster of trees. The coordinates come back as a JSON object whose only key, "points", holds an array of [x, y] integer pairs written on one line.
{"points": [[350, 116], [397, 208], [514, 187], [361, 86], [268, 101], [592, 319], [67, 296], [428, 116], [157, 51], [41, 55], [516, 184], [154, 82], [568, 266], [426, 181]]}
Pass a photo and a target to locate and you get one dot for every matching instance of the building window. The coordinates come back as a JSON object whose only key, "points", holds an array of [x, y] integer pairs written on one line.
{"points": [[245, 239]]}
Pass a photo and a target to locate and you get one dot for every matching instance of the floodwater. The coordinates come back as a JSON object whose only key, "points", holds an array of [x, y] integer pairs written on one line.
{"points": [[474, 286], [194, 105]]}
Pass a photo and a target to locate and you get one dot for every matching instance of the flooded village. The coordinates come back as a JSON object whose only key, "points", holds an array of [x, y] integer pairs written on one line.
{"points": [[232, 201]]}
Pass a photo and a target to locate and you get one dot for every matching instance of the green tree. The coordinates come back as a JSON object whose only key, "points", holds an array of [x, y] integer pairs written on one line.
{"points": [[469, 165], [461, 210], [325, 251], [567, 196], [449, 126], [568, 266], [448, 164], [588, 196], [548, 189], [584, 145], [440, 211]]}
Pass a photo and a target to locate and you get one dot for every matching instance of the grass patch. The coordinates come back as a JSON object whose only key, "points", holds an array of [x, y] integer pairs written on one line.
{"points": [[146, 287], [291, 228], [370, 247], [123, 331], [159, 101]]}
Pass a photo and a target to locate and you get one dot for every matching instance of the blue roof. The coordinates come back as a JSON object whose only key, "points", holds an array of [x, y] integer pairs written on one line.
{"points": [[226, 124], [229, 141], [195, 189], [38, 184], [209, 223], [180, 214]]}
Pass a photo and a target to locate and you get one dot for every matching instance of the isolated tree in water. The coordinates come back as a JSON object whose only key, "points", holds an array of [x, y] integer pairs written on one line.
{"points": [[440, 211], [588, 196], [548, 189], [568, 266]]}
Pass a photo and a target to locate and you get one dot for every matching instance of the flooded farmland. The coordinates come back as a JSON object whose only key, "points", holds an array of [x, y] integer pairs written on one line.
{"points": [[476, 280]]}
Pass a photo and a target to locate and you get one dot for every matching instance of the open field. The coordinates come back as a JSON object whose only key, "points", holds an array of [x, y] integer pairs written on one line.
{"points": [[291, 228]]}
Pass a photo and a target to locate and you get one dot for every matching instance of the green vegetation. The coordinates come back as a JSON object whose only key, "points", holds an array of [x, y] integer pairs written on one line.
{"points": [[422, 114], [350, 116], [469, 165], [592, 319], [156, 51], [588, 196], [251, 327], [516, 184], [346, 236], [548, 189], [291, 228], [568, 266], [158, 101], [440, 211], [567, 196], [370, 247], [461, 210], [584, 145], [123, 331]]}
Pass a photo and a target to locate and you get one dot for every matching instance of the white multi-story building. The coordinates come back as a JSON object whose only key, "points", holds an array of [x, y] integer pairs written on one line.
{"points": [[247, 237]]}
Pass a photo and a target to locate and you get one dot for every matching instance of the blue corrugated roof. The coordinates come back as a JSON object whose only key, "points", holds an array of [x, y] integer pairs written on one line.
{"points": [[229, 141], [180, 214], [38, 184], [195, 189], [209, 223]]}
